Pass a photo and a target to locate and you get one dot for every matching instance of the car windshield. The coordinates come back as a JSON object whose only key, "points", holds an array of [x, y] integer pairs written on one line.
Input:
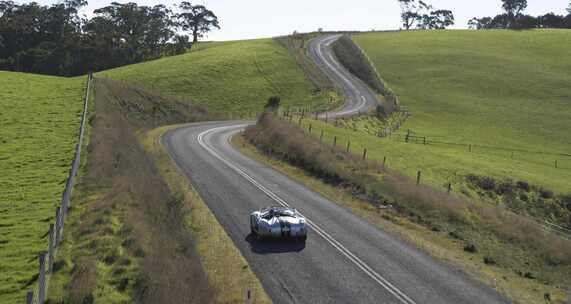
{"points": [[268, 214], [284, 212]]}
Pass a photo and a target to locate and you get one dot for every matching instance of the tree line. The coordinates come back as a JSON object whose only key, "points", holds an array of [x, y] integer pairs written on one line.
{"points": [[418, 14], [56, 40], [514, 18]]}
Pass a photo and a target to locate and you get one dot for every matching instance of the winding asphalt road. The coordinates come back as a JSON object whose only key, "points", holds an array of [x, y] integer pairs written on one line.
{"points": [[345, 258], [358, 96]]}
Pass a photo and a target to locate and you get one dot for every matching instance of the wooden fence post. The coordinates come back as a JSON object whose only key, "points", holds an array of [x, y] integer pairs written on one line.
{"points": [[418, 175], [30, 297], [326, 117], [309, 129], [334, 141], [57, 226], [449, 188], [348, 146], [384, 161], [42, 279], [249, 297], [51, 248], [321, 136], [364, 153]]}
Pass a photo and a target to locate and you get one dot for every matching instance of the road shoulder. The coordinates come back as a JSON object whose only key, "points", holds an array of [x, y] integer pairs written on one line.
{"points": [[228, 271], [439, 246]]}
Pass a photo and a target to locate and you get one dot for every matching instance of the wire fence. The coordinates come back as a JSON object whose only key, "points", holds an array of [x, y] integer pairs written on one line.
{"points": [[46, 258], [550, 159], [305, 124], [555, 160]]}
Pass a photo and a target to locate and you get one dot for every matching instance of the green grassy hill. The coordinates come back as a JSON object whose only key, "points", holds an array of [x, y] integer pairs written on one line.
{"points": [[39, 122], [233, 77], [504, 89], [40, 119]]}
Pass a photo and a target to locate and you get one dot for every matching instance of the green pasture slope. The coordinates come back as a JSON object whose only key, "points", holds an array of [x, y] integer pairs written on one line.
{"points": [[233, 77], [509, 89], [39, 124]]}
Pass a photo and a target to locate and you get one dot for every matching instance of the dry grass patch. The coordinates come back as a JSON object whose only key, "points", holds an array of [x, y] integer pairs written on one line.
{"points": [[228, 271], [125, 239], [507, 243]]}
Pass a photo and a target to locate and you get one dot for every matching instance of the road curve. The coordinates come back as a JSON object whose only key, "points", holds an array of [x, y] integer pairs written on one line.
{"points": [[345, 259], [359, 97]]}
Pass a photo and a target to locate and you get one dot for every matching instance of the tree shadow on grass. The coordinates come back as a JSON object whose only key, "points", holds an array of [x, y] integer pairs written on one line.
{"points": [[268, 246]]}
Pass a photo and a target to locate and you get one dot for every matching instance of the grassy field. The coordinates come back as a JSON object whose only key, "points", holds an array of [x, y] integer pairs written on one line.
{"points": [[39, 122], [503, 89], [231, 77]]}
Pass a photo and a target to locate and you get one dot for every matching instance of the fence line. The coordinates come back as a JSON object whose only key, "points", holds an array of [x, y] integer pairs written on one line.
{"points": [[413, 138], [562, 231], [47, 258], [410, 137]]}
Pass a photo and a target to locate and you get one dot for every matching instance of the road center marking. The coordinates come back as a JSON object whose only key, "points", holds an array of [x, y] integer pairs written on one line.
{"points": [[397, 293]]}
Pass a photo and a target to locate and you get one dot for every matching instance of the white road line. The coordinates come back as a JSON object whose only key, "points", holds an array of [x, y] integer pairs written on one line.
{"points": [[397, 293]]}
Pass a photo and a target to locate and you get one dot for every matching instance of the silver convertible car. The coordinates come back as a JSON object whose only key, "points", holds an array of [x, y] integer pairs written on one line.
{"points": [[278, 222]]}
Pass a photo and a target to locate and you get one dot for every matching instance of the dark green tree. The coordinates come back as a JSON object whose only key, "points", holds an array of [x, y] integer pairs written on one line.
{"points": [[72, 21], [137, 32], [272, 104], [480, 23], [160, 29], [437, 20], [197, 19], [421, 14], [551, 21], [514, 7], [181, 44], [442, 19], [56, 40], [411, 12], [528, 22]]}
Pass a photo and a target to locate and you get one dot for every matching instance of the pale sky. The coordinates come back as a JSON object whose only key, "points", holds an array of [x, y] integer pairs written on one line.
{"points": [[267, 18]]}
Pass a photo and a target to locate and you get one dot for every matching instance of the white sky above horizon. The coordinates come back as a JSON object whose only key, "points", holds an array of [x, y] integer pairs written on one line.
{"points": [[267, 18]]}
